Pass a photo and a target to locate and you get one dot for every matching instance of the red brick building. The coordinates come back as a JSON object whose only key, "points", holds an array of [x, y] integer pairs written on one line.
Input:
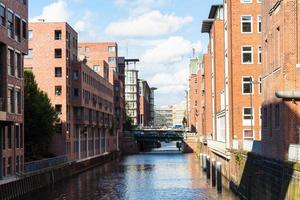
{"points": [[83, 99], [144, 96], [280, 75], [13, 47], [242, 54]]}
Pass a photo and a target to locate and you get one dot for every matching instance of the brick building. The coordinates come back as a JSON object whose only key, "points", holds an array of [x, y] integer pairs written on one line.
{"points": [[81, 96], [97, 52], [13, 47], [103, 58], [242, 54], [145, 93], [280, 72]]}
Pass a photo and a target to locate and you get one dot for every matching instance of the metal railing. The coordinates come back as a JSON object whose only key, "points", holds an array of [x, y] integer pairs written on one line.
{"points": [[45, 163]]}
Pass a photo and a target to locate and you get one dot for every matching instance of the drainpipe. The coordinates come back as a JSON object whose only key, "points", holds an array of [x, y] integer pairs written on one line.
{"points": [[87, 142], [287, 94]]}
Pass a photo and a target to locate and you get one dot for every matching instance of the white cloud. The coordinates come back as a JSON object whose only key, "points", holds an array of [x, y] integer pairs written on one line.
{"points": [[137, 7], [54, 12], [153, 23], [173, 49]]}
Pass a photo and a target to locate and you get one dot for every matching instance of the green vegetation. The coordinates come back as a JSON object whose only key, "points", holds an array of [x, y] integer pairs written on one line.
{"points": [[39, 120]]}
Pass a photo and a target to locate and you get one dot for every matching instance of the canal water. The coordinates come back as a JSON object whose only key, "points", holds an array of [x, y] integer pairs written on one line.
{"points": [[162, 174]]}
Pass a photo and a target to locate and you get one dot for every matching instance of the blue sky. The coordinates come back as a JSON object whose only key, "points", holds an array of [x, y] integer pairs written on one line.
{"points": [[162, 33]]}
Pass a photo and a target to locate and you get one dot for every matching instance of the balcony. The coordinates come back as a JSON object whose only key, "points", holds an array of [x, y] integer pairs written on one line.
{"points": [[294, 152], [2, 110], [218, 148]]}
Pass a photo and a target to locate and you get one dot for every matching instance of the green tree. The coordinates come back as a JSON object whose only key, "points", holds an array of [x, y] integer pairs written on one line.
{"points": [[39, 119]]}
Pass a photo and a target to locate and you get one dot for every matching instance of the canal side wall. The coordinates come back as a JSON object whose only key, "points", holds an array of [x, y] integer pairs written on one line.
{"points": [[39, 179], [252, 176]]}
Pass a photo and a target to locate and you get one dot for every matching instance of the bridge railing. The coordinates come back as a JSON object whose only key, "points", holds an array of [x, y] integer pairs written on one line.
{"points": [[45, 163]]}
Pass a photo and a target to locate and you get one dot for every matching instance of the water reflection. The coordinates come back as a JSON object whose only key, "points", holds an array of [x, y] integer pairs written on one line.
{"points": [[155, 175]]}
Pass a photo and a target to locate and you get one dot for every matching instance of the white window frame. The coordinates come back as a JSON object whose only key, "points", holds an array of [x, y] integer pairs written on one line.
{"points": [[242, 55], [252, 92], [247, 122], [259, 1], [248, 138], [259, 52], [250, 22], [245, 1], [259, 21]]}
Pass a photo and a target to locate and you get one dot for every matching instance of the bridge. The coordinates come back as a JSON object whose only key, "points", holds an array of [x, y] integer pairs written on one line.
{"points": [[158, 136]]}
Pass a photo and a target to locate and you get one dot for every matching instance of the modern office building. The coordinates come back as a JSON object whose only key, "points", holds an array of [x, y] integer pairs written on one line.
{"points": [[178, 114], [132, 97], [83, 99], [13, 47], [164, 117]]}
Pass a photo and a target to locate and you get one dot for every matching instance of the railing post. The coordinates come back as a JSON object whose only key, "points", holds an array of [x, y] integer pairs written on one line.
{"points": [[208, 167], [219, 177], [213, 172]]}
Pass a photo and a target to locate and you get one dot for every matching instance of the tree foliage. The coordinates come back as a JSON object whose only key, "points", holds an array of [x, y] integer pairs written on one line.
{"points": [[39, 119]]}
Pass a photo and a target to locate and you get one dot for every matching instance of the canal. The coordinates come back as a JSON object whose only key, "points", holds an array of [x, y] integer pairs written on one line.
{"points": [[160, 174]]}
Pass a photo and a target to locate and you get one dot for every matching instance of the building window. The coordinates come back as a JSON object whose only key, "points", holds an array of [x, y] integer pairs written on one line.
{"points": [[58, 90], [259, 1], [96, 68], [30, 34], [247, 55], [57, 35], [2, 131], [17, 136], [29, 55], [2, 15], [58, 108], [259, 24], [260, 85], [248, 134], [3, 166], [9, 139], [87, 49], [246, 24], [58, 72], [247, 85], [259, 55], [9, 167], [57, 53], [247, 116], [277, 115], [111, 59], [24, 29], [17, 29], [75, 75], [11, 59], [19, 65], [11, 101], [76, 92], [17, 164], [19, 100], [112, 49], [10, 24]]}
